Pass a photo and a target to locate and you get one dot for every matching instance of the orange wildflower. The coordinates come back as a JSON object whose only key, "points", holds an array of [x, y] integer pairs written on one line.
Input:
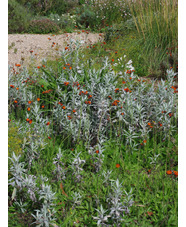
{"points": [[64, 107], [70, 67], [49, 137], [38, 99], [116, 90], [42, 85], [29, 102], [97, 151], [89, 102], [170, 114], [145, 141], [42, 106], [123, 82], [149, 123], [73, 111], [48, 123], [66, 83], [169, 172], [17, 88], [69, 117], [126, 89], [44, 66], [30, 122], [28, 108], [176, 173], [38, 67], [15, 101], [64, 67], [12, 86], [112, 60], [18, 65], [27, 119], [66, 48], [122, 113], [117, 165]]}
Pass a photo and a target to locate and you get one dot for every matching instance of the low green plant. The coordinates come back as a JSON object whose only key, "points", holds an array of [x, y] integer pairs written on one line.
{"points": [[43, 26], [15, 140]]}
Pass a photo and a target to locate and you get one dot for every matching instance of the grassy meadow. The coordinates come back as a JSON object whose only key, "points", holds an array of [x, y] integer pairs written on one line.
{"points": [[93, 134]]}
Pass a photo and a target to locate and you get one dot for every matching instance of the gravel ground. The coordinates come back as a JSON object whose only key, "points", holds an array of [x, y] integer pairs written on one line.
{"points": [[21, 45]]}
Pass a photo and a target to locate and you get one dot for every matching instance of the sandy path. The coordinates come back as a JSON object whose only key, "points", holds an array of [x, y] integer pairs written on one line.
{"points": [[21, 45]]}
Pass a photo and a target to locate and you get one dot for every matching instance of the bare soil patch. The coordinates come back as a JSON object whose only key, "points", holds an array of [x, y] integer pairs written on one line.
{"points": [[25, 49]]}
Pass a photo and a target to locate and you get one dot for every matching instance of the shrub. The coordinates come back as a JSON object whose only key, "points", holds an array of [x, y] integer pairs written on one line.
{"points": [[64, 21], [87, 17], [18, 17], [61, 6], [43, 26]]}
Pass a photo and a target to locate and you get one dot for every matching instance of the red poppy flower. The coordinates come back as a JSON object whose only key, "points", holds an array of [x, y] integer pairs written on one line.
{"points": [[12, 86], [116, 90], [176, 173], [49, 137], [9, 120], [48, 123], [38, 67], [123, 82], [97, 151], [73, 111], [117, 165], [42, 85], [30, 122], [112, 60]]}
